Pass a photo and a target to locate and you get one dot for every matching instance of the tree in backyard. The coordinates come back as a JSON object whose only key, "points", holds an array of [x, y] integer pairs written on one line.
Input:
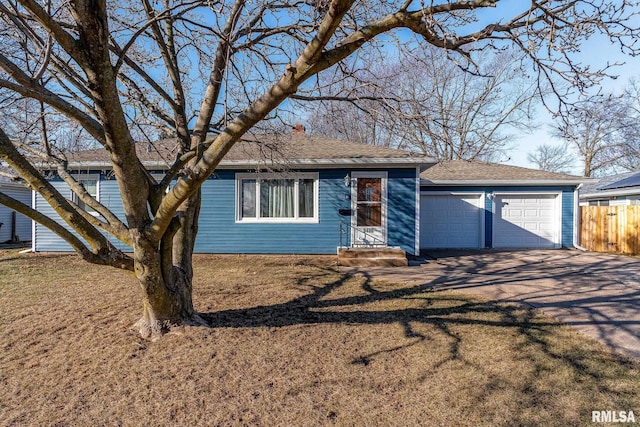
{"points": [[631, 130], [552, 158], [209, 73], [603, 129], [428, 102]]}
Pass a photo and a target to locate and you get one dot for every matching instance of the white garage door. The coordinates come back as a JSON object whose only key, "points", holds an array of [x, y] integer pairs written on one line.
{"points": [[451, 221], [526, 221]]}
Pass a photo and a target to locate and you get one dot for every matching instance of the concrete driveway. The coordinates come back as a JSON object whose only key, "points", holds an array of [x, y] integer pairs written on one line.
{"points": [[597, 293]]}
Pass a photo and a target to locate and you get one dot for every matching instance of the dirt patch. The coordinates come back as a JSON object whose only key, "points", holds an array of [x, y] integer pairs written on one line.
{"points": [[293, 341]]}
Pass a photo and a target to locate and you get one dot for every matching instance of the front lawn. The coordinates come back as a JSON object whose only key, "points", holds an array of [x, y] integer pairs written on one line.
{"points": [[292, 342]]}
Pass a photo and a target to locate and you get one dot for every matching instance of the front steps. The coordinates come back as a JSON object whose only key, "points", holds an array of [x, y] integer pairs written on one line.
{"points": [[372, 257]]}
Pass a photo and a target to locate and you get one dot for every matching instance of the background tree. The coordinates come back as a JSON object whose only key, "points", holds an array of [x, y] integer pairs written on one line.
{"points": [[604, 130], [427, 102], [631, 129], [552, 158], [208, 73]]}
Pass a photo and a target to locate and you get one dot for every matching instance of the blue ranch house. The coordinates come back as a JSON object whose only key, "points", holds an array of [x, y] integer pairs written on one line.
{"points": [[284, 194]]}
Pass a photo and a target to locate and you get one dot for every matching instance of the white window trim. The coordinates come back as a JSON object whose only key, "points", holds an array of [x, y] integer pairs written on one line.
{"points": [[269, 175], [89, 177]]}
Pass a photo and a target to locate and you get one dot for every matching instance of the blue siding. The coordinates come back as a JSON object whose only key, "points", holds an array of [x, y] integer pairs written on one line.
{"points": [[488, 220], [401, 209], [220, 233], [567, 218], [47, 241], [109, 195], [566, 232], [23, 224]]}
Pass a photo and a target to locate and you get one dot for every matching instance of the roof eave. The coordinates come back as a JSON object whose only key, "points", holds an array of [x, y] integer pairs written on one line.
{"points": [[331, 163], [316, 163], [508, 182], [609, 193]]}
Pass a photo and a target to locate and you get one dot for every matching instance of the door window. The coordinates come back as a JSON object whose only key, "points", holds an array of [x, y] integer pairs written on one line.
{"points": [[369, 202]]}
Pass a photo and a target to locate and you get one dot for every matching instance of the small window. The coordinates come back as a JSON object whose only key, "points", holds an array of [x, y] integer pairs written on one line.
{"points": [[91, 185], [271, 198]]}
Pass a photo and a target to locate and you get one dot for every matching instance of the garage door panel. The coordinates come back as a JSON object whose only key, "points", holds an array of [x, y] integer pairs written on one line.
{"points": [[528, 221], [451, 221]]}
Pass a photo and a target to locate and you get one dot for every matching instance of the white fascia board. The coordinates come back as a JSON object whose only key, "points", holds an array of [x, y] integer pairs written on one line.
{"points": [[508, 182], [308, 163], [328, 163]]}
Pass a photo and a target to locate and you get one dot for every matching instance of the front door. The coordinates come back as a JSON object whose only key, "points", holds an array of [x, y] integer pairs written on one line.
{"points": [[369, 208]]}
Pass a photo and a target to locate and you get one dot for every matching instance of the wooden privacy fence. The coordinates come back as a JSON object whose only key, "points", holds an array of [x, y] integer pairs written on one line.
{"points": [[610, 229]]}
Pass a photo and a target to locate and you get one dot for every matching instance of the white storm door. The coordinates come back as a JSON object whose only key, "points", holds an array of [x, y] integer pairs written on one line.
{"points": [[369, 208]]}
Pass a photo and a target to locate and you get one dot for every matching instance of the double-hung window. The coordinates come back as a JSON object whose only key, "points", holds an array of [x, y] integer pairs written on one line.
{"points": [[269, 197], [90, 183]]}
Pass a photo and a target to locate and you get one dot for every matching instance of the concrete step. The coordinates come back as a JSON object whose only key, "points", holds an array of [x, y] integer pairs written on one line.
{"points": [[372, 257]]}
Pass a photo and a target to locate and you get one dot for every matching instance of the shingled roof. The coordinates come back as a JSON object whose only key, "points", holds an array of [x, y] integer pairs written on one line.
{"points": [[269, 150], [455, 172], [622, 184]]}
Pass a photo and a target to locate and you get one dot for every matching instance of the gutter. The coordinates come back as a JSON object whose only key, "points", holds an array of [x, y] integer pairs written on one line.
{"points": [[499, 182], [355, 162], [628, 191]]}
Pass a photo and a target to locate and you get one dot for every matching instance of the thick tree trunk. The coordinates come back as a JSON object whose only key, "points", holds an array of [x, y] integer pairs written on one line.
{"points": [[167, 298]]}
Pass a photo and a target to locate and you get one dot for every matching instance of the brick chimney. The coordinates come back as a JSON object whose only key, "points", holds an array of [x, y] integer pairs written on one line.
{"points": [[298, 128]]}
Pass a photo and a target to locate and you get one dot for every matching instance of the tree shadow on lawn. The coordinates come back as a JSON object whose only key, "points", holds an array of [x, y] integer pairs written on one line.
{"points": [[549, 374], [317, 307], [597, 292]]}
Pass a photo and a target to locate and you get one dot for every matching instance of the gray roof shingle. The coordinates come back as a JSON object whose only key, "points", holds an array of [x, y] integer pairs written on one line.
{"points": [[606, 186], [473, 171], [267, 149]]}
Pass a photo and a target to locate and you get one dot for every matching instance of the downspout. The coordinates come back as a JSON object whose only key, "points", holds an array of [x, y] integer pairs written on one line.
{"points": [[577, 219]]}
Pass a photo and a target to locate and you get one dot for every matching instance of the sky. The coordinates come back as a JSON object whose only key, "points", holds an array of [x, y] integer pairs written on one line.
{"points": [[597, 53]]}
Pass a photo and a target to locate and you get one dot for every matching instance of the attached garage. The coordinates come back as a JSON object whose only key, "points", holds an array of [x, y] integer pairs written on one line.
{"points": [[526, 221], [451, 220], [472, 204]]}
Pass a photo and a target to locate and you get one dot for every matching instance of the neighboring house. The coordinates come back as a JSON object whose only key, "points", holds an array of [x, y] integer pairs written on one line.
{"points": [[285, 194], [616, 190], [472, 204], [15, 227]]}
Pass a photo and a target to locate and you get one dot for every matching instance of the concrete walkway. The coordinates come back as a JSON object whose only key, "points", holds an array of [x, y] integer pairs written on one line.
{"points": [[597, 293]]}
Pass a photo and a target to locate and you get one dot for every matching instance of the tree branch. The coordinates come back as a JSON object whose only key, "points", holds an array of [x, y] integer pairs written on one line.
{"points": [[114, 258]]}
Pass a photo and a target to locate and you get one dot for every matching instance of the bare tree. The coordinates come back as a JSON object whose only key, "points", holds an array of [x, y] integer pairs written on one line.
{"points": [[603, 130], [123, 71], [552, 158], [631, 128], [427, 102]]}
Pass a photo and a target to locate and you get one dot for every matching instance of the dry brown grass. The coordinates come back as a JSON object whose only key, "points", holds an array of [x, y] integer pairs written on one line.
{"points": [[292, 342]]}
